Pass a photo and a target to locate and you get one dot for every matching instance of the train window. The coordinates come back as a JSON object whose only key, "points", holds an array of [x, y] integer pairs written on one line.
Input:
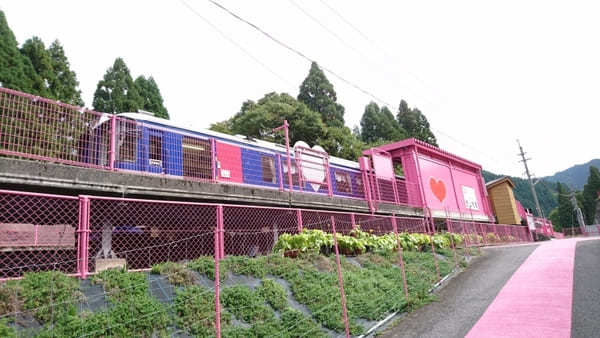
{"points": [[343, 182], [197, 160], [155, 149], [268, 169], [127, 145], [359, 185], [295, 175]]}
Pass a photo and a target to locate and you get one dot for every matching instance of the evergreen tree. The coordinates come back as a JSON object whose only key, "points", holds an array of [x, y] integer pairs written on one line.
{"points": [[379, 125], [415, 123], [566, 216], [16, 71], [318, 94], [341, 142], [43, 75], [257, 119], [590, 195], [553, 217], [153, 101], [116, 92], [65, 86]]}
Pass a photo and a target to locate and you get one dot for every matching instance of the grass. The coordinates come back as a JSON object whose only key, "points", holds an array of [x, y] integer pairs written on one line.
{"points": [[372, 283]]}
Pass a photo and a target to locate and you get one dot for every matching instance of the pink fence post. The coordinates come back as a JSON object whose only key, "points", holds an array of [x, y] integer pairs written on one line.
{"points": [[340, 279], [221, 231], [280, 172], [213, 159], [449, 226], [217, 248], [83, 229], [400, 255], [287, 150], [113, 142], [299, 219]]}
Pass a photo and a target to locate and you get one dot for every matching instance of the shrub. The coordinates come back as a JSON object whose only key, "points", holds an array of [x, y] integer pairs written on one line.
{"points": [[273, 293], [49, 295], [176, 273], [120, 284], [195, 308], [246, 304]]}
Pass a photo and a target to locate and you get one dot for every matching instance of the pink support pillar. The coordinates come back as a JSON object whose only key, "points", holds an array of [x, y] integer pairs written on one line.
{"points": [[221, 231], [340, 279], [285, 127], [83, 229], [280, 172], [113, 142], [217, 247], [213, 159], [400, 256]]}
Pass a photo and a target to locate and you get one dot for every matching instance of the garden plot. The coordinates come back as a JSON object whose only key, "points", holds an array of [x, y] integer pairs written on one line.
{"points": [[260, 297]]}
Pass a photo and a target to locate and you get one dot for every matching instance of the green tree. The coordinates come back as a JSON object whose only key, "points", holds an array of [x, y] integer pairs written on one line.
{"points": [[318, 94], [258, 119], [153, 101], [43, 73], [379, 125], [116, 92], [224, 127], [16, 71], [566, 214], [415, 123], [341, 142], [553, 217], [590, 195], [64, 86]]}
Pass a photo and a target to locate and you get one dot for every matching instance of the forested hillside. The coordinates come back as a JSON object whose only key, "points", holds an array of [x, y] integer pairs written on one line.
{"points": [[576, 176], [546, 192]]}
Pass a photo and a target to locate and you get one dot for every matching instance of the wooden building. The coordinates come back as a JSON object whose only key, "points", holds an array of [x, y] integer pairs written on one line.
{"points": [[503, 200]]}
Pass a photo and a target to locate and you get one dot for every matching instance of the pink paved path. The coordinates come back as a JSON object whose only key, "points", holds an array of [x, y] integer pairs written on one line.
{"points": [[536, 301]]}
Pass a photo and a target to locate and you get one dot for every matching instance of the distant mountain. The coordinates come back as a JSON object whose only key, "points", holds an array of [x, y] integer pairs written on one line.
{"points": [[576, 176], [545, 190]]}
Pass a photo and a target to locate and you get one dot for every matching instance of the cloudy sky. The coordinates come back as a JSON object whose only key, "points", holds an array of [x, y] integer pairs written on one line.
{"points": [[484, 73]]}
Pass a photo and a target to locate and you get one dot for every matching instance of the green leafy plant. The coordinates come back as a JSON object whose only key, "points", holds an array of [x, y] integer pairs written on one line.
{"points": [[246, 304], [195, 308], [49, 295], [273, 293]]}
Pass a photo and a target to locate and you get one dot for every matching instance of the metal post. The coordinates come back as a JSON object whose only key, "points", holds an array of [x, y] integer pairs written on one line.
{"points": [[299, 219], [531, 184], [287, 150], [401, 256], [83, 230], [217, 247], [340, 279], [113, 142], [280, 172], [221, 232], [213, 159]]}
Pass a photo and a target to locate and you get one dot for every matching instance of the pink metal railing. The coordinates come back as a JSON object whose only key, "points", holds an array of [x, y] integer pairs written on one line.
{"points": [[146, 232], [37, 128]]}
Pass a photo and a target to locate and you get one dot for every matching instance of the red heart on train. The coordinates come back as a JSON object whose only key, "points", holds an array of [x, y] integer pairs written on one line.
{"points": [[438, 188]]}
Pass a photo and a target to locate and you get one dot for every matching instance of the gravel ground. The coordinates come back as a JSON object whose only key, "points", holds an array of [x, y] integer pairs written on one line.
{"points": [[465, 298]]}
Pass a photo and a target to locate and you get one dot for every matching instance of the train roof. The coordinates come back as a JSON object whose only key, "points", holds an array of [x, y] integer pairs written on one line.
{"points": [[235, 138]]}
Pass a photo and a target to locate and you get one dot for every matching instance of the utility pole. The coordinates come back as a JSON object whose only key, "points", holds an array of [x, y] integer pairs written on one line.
{"points": [[531, 184], [578, 212]]}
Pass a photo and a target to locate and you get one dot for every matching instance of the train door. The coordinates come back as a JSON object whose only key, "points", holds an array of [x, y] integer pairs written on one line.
{"points": [[197, 158], [155, 152]]}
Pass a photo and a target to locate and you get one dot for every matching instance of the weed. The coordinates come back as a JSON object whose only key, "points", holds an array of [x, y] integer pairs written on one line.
{"points": [[176, 273], [273, 293]]}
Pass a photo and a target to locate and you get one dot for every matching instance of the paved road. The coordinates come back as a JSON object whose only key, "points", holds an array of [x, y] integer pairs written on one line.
{"points": [[547, 289], [586, 290], [465, 298]]}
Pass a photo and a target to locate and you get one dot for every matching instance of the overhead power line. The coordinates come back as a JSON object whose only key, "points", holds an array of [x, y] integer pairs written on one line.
{"points": [[333, 73], [297, 52], [240, 47]]}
